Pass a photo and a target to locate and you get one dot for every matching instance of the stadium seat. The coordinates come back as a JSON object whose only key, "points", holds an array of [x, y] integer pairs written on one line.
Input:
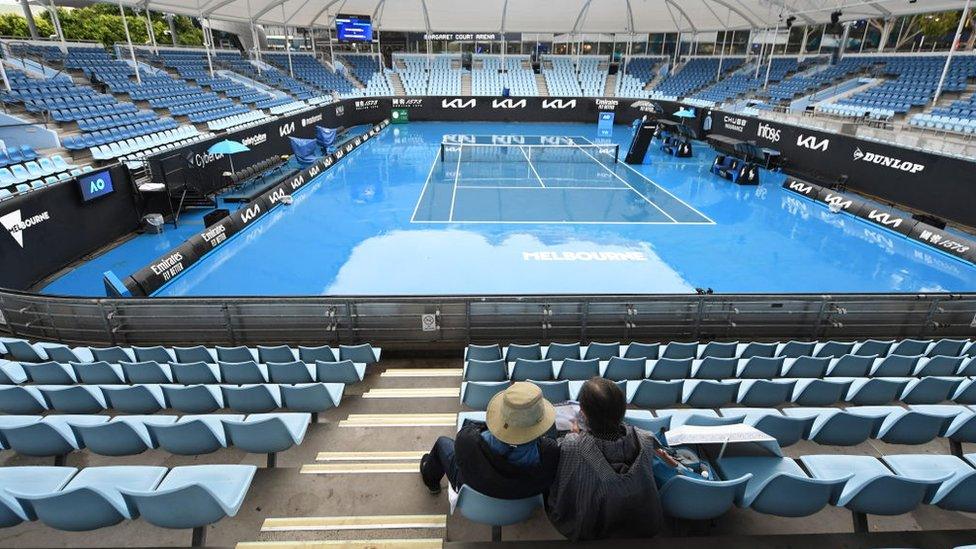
{"points": [[74, 399], [787, 430], [957, 493], [311, 397], [563, 351], [677, 349], [280, 353], [850, 366], [653, 394], [98, 373], [602, 351], [759, 367], [51, 373], [252, 399], [292, 372], [240, 373], [136, 399], [494, 512], [538, 370], [28, 479], [834, 426], [779, 486], [578, 370], [483, 352], [121, 435], [528, 352], [714, 368], [43, 436], [190, 373], [719, 349], [360, 354], [554, 391], [198, 353], [267, 433], [477, 394], [22, 400], [642, 350], [765, 392], [671, 368], [147, 372], [708, 393], [312, 354], [620, 369], [112, 354], [692, 498], [194, 399], [820, 392], [193, 435], [491, 370], [236, 354]]}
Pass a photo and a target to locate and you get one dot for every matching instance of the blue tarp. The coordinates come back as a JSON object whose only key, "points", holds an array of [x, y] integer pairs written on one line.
{"points": [[325, 136], [306, 150]]}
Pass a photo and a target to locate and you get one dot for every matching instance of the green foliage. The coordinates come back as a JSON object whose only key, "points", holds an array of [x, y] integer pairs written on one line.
{"points": [[102, 23], [12, 24], [938, 25]]}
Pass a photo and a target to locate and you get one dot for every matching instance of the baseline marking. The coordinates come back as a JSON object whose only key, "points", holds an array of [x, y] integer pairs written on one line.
{"points": [[673, 220]]}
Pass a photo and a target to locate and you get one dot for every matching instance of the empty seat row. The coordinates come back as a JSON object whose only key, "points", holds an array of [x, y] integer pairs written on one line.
{"points": [[720, 368], [720, 349], [787, 487], [150, 398], [58, 435], [24, 351], [103, 373], [96, 497], [757, 392]]}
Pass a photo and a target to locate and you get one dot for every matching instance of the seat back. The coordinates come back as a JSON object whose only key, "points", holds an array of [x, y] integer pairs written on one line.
{"points": [[483, 509]]}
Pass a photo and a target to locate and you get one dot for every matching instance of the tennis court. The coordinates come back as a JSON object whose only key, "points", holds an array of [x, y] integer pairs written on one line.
{"points": [[542, 179]]}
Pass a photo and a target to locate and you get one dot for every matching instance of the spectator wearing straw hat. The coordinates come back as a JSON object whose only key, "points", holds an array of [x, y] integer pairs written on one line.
{"points": [[508, 457]]}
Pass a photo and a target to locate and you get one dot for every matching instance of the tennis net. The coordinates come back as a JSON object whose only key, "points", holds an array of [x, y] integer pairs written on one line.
{"points": [[491, 152]]}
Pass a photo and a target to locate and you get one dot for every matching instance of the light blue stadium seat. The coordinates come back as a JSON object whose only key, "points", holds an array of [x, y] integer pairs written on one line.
{"points": [[900, 425], [530, 352], [911, 347], [930, 389], [236, 354], [652, 394], [894, 366], [756, 349], [959, 421], [759, 367], [795, 349], [360, 354], [685, 416], [537, 370], [65, 354], [193, 496], [197, 353], [719, 349], [708, 393], [252, 399], [92, 499], [193, 435], [620, 369], [41, 436], [671, 368], [28, 480], [578, 370], [190, 373], [602, 351], [820, 392], [699, 499], [483, 352], [873, 347], [242, 372], [22, 400], [477, 394], [875, 390], [279, 353], [645, 420], [642, 350], [939, 365], [11, 373], [135, 399], [714, 368], [765, 392], [850, 366], [494, 512], [194, 399], [98, 373], [122, 435], [836, 427], [786, 430], [833, 349], [147, 372], [805, 366], [311, 354], [874, 489], [957, 493], [51, 373], [74, 399], [562, 351], [294, 371], [112, 354], [485, 370], [947, 347], [779, 486], [678, 349], [311, 397], [554, 391], [267, 433]]}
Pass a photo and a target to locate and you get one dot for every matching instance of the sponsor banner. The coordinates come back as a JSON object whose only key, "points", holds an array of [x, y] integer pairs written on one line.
{"points": [[916, 179], [44, 230], [892, 220], [151, 278]]}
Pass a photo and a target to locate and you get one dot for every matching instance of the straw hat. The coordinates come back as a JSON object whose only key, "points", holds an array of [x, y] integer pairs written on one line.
{"points": [[519, 414]]}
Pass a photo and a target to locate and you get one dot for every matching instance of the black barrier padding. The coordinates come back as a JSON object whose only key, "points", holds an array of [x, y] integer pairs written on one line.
{"points": [[162, 270], [849, 203], [920, 180], [798, 186], [947, 242], [55, 228], [887, 218]]}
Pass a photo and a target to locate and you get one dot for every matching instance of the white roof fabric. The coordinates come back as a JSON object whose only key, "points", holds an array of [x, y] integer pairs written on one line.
{"points": [[548, 16]]}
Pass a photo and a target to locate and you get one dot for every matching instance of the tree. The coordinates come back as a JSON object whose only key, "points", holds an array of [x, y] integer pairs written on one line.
{"points": [[12, 24]]}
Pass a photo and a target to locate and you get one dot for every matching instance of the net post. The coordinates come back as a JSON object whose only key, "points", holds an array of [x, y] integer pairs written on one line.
{"points": [[442, 152], [616, 153]]}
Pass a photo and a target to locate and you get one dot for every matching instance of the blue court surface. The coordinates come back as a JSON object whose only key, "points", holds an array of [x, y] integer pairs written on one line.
{"points": [[504, 214]]}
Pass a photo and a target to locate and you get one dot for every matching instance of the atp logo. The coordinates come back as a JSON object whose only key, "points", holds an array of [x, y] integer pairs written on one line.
{"points": [[16, 225], [286, 129]]}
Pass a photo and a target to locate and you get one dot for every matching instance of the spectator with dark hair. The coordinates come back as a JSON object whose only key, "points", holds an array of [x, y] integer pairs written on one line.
{"points": [[508, 457], [605, 486]]}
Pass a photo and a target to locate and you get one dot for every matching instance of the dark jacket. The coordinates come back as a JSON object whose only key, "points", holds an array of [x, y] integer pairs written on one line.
{"points": [[493, 475], [605, 489]]}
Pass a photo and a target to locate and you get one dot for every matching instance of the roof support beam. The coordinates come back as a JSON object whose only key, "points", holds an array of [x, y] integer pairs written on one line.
{"points": [[740, 13], [691, 23]]}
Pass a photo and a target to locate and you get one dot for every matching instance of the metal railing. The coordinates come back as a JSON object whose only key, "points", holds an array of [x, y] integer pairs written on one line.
{"points": [[452, 321]]}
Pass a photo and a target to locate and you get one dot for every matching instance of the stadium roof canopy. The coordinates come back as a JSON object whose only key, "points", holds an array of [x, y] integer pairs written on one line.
{"points": [[547, 16]]}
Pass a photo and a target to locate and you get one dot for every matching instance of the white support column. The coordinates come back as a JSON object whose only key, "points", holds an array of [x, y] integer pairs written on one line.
{"points": [[886, 30], [152, 32], [207, 44], [762, 51], [769, 66], [864, 37], [128, 40], [803, 43], [677, 49], [721, 55], [952, 50], [3, 73], [255, 42], [844, 37], [56, 20], [291, 69], [823, 34], [331, 52]]}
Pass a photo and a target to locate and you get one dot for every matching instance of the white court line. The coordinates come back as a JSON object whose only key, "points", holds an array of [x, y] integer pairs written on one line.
{"points": [[667, 192], [628, 184], [424, 189], [540, 188], [531, 167], [487, 222], [457, 173]]}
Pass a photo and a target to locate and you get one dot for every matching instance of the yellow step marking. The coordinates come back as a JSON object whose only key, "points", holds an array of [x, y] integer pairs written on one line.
{"points": [[422, 372], [377, 522], [346, 544], [399, 420], [420, 392], [358, 468], [370, 456]]}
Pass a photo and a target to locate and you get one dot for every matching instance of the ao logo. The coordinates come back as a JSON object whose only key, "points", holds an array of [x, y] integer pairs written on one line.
{"points": [[884, 218], [508, 104], [286, 129], [558, 103], [811, 142], [458, 103], [97, 185], [250, 214]]}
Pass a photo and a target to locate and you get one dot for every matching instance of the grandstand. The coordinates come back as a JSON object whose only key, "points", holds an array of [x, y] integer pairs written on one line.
{"points": [[256, 266]]}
